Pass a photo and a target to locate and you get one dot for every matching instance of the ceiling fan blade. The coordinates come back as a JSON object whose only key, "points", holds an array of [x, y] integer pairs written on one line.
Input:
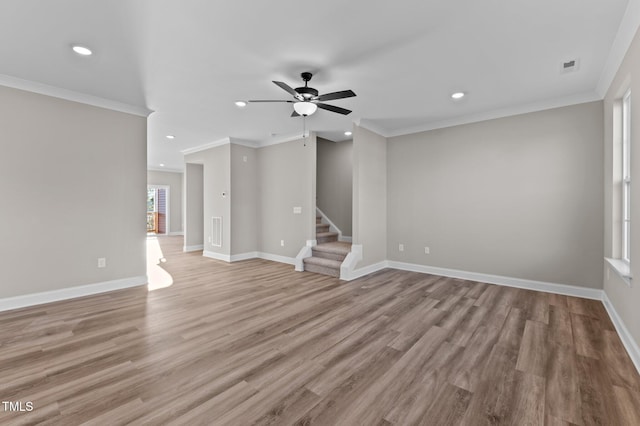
{"points": [[287, 88], [267, 100], [336, 95], [333, 108], [295, 114]]}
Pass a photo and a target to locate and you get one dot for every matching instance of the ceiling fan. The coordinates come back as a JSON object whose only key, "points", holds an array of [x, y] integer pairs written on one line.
{"points": [[307, 100]]}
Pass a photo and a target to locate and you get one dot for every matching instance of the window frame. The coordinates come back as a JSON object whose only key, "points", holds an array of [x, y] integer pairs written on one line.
{"points": [[625, 253]]}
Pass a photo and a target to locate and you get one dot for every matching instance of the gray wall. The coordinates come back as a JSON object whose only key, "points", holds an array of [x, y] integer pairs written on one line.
{"points": [[519, 196], [286, 179], [73, 184], [194, 205], [217, 181], [370, 195], [174, 181], [334, 182], [244, 199], [626, 300]]}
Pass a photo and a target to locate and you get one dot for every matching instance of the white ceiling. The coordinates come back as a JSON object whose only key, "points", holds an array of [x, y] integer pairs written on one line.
{"points": [[189, 60]]}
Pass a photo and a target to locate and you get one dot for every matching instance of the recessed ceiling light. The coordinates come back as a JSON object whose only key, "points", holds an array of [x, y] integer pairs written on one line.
{"points": [[241, 104], [457, 95], [170, 137], [81, 50], [348, 133], [161, 164]]}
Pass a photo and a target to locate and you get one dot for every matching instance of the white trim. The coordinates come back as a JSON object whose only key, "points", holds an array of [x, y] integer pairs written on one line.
{"points": [[171, 234], [305, 252], [283, 139], [626, 31], [361, 272], [627, 340], [345, 239], [277, 258], [26, 300], [164, 169], [244, 256], [370, 126], [621, 268], [332, 226], [189, 249], [70, 95], [204, 147], [216, 256], [499, 113], [568, 290]]}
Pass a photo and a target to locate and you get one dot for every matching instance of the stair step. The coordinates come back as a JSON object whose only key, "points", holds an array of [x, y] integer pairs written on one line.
{"points": [[326, 237], [323, 266], [322, 227], [318, 219], [336, 250], [328, 255]]}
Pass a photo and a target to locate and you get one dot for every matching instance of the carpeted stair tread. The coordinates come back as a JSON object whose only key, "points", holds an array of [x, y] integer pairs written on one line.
{"points": [[334, 247], [319, 261]]}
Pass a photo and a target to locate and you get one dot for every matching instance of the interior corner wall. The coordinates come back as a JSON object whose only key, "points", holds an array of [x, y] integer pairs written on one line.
{"points": [[370, 195], [73, 184], [244, 200], [519, 196], [193, 206], [335, 182], [286, 179], [174, 181], [625, 299], [217, 194]]}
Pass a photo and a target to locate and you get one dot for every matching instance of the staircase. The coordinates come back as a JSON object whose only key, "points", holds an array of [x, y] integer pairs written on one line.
{"points": [[328, 254]]}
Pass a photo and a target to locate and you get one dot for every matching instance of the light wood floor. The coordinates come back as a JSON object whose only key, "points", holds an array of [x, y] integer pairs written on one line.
{"points": [[254, 342]]}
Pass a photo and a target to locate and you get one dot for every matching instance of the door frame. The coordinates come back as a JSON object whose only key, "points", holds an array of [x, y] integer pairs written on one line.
{"points": [[167, 189]]}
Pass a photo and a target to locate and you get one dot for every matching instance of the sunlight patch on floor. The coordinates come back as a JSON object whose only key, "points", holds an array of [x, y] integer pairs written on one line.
{"points": [[158, 277]]}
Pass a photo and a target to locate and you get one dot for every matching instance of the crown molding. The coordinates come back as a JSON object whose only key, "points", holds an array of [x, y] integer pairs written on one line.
{"points": [[626, 32], [164, 169], [371, 126], [209, 145], [70, 95], [500, 113]]}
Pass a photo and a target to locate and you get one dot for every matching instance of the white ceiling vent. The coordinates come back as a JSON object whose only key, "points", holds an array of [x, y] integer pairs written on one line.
{"points": [[570, 65]]}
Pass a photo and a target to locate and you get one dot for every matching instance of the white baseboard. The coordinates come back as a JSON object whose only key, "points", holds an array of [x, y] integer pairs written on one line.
{"points": [[249, 255], [217, 256], [568, 290], [345, 239], [23, 301], [188, 249], [627, 340], [277, 258], [176, 233], [361, 272], [244, 256]]}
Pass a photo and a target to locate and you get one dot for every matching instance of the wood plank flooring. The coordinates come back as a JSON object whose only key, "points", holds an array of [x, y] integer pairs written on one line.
{"points": [[254, 342]]}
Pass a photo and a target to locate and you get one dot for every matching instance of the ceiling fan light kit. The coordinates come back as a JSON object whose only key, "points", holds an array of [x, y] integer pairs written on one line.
{"points": [[305, 108], [307, 99]]}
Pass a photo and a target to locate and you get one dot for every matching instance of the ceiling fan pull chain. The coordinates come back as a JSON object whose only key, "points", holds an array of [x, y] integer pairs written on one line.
{"points": [[304, 130]]}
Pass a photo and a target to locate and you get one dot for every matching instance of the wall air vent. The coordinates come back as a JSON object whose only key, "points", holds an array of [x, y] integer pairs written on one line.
{"points": [[569, 65]]}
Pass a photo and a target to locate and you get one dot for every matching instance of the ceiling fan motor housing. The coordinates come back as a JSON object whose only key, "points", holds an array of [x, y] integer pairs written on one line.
{"points": [[307, 92]]}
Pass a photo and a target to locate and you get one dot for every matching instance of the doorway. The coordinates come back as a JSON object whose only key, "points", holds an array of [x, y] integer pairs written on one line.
{"points": [[158, 210]]}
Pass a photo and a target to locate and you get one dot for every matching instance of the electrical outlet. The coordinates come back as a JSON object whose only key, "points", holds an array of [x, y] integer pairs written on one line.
{"points": [[297, 210], [102, 262], [426, 250], [282, 243], [400, 247]]}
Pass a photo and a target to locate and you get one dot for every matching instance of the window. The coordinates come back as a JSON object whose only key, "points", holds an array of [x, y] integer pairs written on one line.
{"points": [[626, 178]]}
